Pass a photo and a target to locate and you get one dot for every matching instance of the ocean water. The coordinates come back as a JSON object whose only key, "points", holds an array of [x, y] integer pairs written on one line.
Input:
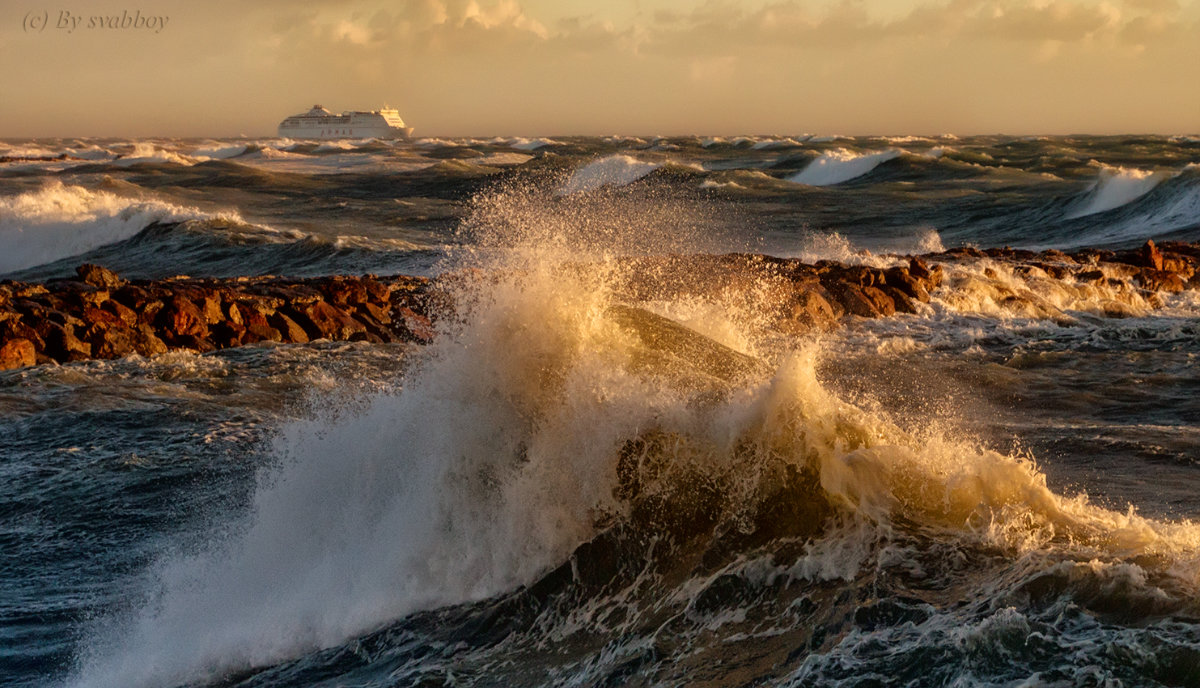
{"points": [[990, 492]]}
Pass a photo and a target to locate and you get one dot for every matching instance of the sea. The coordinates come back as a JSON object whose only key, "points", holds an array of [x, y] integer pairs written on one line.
{"points": [[1001, 489]]}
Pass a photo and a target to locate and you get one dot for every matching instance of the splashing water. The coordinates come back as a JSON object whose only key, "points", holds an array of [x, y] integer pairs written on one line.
{"points": [[550, 407]]}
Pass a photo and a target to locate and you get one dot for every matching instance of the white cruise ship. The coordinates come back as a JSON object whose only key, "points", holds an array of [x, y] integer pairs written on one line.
{"points": [[319, 123]]}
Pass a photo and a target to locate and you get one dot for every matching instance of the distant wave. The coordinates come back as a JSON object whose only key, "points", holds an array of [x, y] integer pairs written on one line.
{"points": [[614, 170], [149, 153], [522, 143], [841, 165], [59, 221], [1115, 187]]}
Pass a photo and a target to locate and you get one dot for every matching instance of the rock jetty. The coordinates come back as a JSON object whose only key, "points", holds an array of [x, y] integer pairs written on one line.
{"points": [[98, 314]]}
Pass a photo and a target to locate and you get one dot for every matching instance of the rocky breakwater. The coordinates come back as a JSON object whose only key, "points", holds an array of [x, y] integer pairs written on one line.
{"points": [[795, 297], [100, 315]]}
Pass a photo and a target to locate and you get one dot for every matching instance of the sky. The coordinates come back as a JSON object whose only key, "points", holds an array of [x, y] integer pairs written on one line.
{"points": [[593, 67]]}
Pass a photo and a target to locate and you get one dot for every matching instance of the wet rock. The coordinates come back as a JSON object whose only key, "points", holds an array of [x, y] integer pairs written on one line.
{"points": [[1151, 257], [98, 276], [412, 326], [123, 312], [17, 353], [63, 346], [210, 309], [810, 310], [855, 300], [261, 332], [902, 280], [180, 318], [146, 342], [112, 342], [322, 320], [1160, 280], [289, 329]]}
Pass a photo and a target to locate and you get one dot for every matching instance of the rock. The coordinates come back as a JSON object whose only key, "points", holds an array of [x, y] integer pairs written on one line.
{"points": [[883, 304], [1151, 257], [112, 342], [200, 345], [181, 318], [900, 301], [250, 314], [1089, 276], [123, 312], [17, 353], [1159, 280], [854, 299], [809, 310], [63, 346], [324, 320], [14, 328], [226, 334], [146, 342], [899, 278], [289, 329], [210, 308], [412, 326], [261, 332], [98, 276]]}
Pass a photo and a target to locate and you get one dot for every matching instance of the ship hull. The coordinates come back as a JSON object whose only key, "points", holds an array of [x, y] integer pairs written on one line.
{"points": [[346, 132]]}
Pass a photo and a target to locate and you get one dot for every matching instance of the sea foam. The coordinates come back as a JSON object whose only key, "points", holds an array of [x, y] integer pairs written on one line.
{"points": [[614, 170], [59, 221], [500, 455], [1115, 187], [841, 165]]}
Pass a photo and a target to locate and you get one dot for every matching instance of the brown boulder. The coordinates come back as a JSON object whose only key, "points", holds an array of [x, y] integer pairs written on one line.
{"points": [[210, 307], [63, 346], [17, 353], [412, 326], [900, 279], [261, 332], [1159, 280], [809, 310], [123, 312], [98, 276], [289, 329], [112, 342], [15, 328], [855, 299], [146, 342], [1150, 256], [200, 345], [181, 318], [323, 320]]}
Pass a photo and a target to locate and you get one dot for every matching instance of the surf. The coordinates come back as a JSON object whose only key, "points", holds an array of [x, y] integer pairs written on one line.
{"points": [[570, 406]]}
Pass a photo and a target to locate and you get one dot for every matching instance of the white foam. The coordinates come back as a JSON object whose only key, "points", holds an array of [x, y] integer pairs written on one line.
{"points": [[768, 144], [144, 152], [614, 170], [59, 221], [841, 165], [494, 461], [335, 146], [530, 144], [1117, 186], [219, 152]]}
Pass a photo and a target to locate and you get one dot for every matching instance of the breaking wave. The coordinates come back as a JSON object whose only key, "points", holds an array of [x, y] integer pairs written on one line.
{"points": [[614, 170], [1115, 187], [570, 424], [59, 221], [841, 165]]}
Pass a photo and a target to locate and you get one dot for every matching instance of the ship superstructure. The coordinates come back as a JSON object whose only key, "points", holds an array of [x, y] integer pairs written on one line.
{"points": [[319, 123]]}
